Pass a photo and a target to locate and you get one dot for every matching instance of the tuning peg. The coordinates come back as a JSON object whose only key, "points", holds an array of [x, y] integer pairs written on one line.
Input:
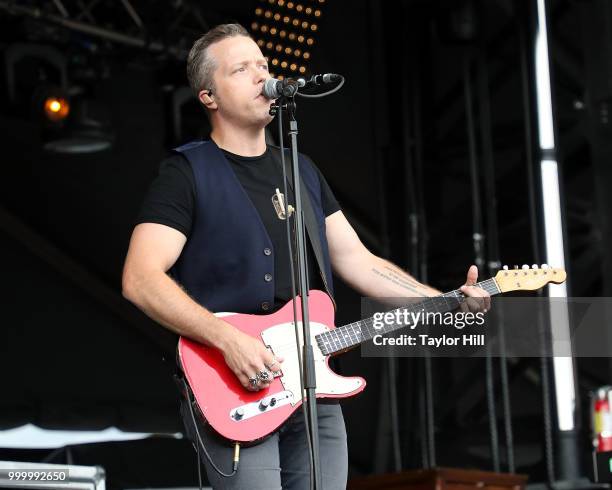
{"points": [[505, 267], [516, 266], [544, 266], [525, 267], [534, 266]]}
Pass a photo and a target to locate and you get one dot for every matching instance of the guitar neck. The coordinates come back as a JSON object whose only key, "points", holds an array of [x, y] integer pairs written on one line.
{"points": [[348, 336]]}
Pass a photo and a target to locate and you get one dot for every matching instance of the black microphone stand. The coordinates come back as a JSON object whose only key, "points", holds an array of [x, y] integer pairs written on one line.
{"points": [[308, 375]]}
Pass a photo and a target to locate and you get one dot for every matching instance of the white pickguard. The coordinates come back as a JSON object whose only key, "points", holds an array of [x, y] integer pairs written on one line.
{"points": [[281, 339]]}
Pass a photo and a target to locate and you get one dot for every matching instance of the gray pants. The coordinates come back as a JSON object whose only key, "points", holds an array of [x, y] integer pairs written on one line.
{"points": [[280, 461]]}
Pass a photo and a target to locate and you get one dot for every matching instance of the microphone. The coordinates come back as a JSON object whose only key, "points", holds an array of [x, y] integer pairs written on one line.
{"points": [[273, 88], [288, 87]]}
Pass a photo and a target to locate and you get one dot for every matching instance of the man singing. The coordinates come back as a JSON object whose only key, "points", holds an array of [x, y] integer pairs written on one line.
{"points": [[209, 239]]}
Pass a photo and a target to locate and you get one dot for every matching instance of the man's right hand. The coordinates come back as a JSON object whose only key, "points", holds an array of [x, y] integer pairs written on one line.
{"points": [[247, 357], [153, 250]]}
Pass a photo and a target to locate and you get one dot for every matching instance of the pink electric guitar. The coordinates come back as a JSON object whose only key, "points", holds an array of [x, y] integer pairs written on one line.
{"points": [[244, 416]]}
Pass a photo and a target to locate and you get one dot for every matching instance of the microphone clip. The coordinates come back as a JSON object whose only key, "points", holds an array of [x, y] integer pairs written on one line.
{"points": [[288, 105]]}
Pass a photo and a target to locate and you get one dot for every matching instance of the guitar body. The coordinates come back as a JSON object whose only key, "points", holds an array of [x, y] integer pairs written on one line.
{"points": [[246, 416]]}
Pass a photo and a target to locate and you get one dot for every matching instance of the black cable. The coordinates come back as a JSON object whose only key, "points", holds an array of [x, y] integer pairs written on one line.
{"points": [[533, 221], [294, 292], [199, 466], [395, 433], [410, 179], [505, 389], [478, 241], [423, 433], [199, 438], [546, 405], [493, 244], [428, 443], [431, 440], [492, 410], [324, 94]]}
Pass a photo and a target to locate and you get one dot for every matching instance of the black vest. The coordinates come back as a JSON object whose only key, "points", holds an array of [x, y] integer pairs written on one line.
{"points": [[226, 264]]}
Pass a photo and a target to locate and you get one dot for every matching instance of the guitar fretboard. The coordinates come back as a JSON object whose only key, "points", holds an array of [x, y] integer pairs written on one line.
{"points": [[353, 334]]}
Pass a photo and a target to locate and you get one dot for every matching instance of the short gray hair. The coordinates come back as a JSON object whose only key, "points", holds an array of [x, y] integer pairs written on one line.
{"points": [[200, 66]]}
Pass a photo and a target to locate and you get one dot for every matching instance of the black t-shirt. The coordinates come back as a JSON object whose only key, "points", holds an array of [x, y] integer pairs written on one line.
{"points": [[171, 200]]}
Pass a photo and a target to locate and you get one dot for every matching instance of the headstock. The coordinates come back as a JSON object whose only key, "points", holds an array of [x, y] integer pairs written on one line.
{"points": [[528, 278]]}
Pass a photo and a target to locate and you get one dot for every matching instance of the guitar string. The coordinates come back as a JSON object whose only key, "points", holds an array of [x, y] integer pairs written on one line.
{"points": [[341, 334], [335, 338]]}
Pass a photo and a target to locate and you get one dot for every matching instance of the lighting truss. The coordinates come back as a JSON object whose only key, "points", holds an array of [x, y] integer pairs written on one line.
{"points": [[168, 28]]}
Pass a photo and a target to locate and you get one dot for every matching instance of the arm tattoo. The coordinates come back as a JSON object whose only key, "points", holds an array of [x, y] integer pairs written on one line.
{"points": [[399, 278]]}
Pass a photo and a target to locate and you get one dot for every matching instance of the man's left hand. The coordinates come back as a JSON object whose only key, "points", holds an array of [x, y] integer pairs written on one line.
{"points": [[477, 299]]}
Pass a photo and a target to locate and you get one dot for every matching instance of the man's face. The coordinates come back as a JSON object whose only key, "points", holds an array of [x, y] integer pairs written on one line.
{"points": [[241, 70]]}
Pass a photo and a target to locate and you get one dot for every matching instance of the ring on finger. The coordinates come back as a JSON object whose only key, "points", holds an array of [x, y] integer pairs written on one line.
{"points": [[253, 381], [271, 365], [263, 376]]}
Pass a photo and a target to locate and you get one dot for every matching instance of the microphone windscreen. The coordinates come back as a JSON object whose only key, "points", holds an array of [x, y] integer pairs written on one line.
{"points": [[270, 90]]}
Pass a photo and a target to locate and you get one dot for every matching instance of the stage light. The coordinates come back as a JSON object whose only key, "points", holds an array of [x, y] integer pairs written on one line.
{"points": [[295, 31], [56, 109], [563, 367], [81, 133], [57, 106]]}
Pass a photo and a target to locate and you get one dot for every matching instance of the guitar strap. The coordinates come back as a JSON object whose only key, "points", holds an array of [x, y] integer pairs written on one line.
{"points": [[310, 220]]}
